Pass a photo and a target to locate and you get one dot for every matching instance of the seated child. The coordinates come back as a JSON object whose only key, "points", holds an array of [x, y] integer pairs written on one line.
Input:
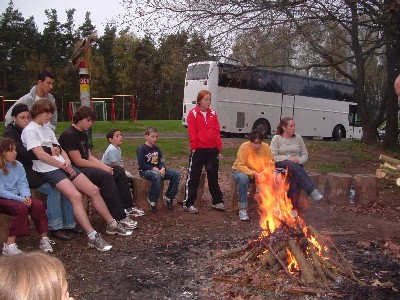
{"points": [[112, 155], [152, 167], [16, 201], [33, 275]]}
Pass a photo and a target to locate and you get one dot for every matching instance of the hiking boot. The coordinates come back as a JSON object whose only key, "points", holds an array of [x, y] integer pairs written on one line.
{"points": [[170, 204], [191, 209], [243, 215], [134, 212], [153, 206], [99, 243], [316, 195], [128, 223], [219, 206], [44, 245], [119, 229], [11, 249]]}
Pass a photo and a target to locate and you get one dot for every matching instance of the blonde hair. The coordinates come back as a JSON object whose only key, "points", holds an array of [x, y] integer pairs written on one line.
{"points": [[32, 276]]}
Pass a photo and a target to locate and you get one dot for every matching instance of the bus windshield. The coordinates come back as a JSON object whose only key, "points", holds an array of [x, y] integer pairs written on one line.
{"points": [[197, 72]]}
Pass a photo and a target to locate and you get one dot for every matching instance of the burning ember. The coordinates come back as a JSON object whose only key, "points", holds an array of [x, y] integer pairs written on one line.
{"points": [[286, 245]]}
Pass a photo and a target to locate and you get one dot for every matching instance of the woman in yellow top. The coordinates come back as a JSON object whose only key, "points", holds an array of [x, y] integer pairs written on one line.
{"points": [[253, 157]]}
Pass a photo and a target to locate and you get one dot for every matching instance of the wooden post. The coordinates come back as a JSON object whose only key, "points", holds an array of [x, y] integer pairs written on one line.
{"points": [[5, 221], [234, 194], [337, 188], [367, 188], [141, 188], [200, 189]]}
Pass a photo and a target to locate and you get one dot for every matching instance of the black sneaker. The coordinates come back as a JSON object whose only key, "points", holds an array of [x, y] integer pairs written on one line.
{"points": [[170, 203], [153, 206]]}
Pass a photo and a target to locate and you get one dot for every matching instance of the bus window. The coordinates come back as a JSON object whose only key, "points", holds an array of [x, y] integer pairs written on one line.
{"points": [[343, 92], [320, 89], [354, 119], [198, 72], [294, 85]]}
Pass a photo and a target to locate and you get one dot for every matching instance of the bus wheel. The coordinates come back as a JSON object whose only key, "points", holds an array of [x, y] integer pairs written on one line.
{"points": [[337, 133], [262, 126]]}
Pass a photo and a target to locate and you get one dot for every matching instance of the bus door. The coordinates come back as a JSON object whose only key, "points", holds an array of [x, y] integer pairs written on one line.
{"points": [[354, 122], [287, 107]]}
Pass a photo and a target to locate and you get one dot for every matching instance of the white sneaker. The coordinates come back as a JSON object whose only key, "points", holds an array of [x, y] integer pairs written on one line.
{"points": [[128, 223], [134, 212], [243, 215], [11, 249], [44, 245], [218, 206], [191, 209], [316, 195]]}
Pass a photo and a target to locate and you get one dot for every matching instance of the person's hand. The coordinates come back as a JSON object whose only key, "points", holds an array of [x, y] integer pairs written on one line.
{"points": [[219, 155], [106, 168], [27, 201], [55, 151], [294, 159], [398, 167], [162, 172]]}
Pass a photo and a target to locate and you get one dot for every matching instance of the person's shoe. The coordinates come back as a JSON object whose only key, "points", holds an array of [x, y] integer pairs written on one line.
{"points": [[99, 243], [118, 229], [11, 249], [128, 223], [75, 229], [219, 206], [59, 234], [44, 245], [170, 203], [153, 206], [134, 212], [243, 215], [316, 195], [191, 209]]}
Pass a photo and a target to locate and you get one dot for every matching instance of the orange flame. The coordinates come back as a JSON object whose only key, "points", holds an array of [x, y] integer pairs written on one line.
{"points": [[274, 205]]}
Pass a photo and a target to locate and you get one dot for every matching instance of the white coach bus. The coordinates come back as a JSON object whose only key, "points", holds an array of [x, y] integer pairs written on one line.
{"points": [[246, 98]]}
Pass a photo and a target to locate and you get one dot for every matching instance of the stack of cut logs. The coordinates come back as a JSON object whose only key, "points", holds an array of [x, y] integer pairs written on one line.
{"points": [[313, 264], [389, 169]]}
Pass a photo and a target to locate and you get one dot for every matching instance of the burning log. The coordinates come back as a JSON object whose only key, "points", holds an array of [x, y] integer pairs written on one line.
{"points": [[286, 246]]}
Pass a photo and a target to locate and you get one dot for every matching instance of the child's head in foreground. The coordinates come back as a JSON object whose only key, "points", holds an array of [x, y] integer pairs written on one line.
{"points": [[33, 275]]}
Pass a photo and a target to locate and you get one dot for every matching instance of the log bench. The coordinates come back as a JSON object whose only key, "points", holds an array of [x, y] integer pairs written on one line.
{"points": [[337, 188], [200, 190], [141, 188]]}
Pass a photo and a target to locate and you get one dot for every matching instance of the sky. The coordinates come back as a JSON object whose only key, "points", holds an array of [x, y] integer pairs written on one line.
{"points": [[101, 12]]}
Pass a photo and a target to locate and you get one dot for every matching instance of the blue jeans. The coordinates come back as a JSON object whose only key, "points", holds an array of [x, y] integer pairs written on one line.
{"points": [[155, 177], [298, 180], [60, 214], [242, 181]]}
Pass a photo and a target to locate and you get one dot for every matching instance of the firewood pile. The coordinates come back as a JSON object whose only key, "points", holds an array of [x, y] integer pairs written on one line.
{"points": [[311, 263], [389, 169], [292, 257]]}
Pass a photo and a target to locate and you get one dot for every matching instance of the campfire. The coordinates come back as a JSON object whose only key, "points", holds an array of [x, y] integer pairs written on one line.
{"points": [[287, 247]]}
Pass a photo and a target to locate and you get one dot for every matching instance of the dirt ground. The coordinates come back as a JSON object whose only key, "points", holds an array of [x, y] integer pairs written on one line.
{"points": [[168, 256]]}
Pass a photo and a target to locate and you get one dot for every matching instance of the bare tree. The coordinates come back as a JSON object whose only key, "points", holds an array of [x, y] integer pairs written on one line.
{"points": [[344, 35]]}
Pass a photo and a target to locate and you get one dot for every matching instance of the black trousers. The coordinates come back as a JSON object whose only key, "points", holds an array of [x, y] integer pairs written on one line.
{"points": [[113, 188], [209, 159]]}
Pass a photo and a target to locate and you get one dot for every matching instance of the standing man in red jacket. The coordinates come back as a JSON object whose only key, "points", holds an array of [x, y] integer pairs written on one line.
{"points": [[205, 146]]}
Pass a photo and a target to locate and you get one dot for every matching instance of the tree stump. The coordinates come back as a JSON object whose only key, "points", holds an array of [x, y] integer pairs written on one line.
{"points": [[200, 190], [367, 188], [337, 188], [141, 189], [234, 197], [5, 221]]}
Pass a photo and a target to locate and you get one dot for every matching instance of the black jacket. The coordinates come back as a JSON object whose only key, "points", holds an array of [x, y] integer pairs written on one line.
{"points": [[24, 156]]}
